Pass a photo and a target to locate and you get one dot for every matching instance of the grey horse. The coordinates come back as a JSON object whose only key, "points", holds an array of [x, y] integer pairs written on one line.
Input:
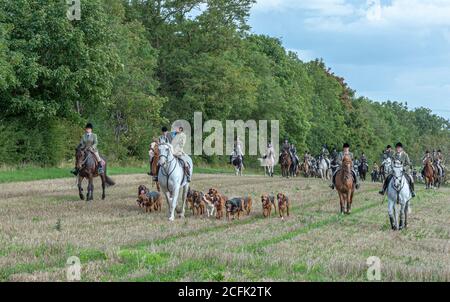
{"points": [[172, 178], [398, 193]]}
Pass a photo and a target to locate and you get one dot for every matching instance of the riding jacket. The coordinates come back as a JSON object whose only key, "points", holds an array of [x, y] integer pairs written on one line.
{"points": [[178, 143], [89, 140], [403, 157], [340, 157]]}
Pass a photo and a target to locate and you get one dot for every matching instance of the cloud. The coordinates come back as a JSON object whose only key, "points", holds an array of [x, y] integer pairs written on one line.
{"points": [[305, 55], [348, 15], [322, 7]]}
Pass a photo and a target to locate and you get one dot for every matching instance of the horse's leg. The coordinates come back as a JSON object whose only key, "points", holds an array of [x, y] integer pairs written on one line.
{"points": [[90, 188], [80, 188], [175, 195], [391, 212], [341, 202], [350, 201], [183, 202], [169, 206], [103, 178]]}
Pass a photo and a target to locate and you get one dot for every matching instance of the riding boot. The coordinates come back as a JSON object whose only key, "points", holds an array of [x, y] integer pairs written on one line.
{"points": [[75, 171], [100, 168], [401, 226], [333, 182], [188, 173], [393, 227], [355, 180], [155, 177], [411, 186], [385, 184]]}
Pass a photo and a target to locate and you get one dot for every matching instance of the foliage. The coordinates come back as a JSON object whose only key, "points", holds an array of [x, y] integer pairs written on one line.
{"points": [[132, 66]]}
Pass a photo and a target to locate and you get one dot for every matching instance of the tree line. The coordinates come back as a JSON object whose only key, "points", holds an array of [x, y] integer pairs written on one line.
{"points": [[131, 66]]}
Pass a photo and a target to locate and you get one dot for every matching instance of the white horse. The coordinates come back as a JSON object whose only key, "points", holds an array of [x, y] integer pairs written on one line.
{"points": [[172, 178], [324, 167], [398, 193], [268, 162]]}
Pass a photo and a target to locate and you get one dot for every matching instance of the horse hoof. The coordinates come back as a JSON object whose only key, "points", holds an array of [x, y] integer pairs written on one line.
{"points": [[171, 218]]}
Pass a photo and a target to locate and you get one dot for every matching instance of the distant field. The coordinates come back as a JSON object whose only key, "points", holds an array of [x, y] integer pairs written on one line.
{"points": [[42, 223], [37, 173]]}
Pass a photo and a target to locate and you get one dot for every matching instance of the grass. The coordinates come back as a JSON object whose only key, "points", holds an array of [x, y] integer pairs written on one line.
{"points": [[39, 173], [45, 223]]}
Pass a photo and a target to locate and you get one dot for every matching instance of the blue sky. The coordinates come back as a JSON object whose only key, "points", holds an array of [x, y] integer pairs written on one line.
{"points": [[395, 50]]}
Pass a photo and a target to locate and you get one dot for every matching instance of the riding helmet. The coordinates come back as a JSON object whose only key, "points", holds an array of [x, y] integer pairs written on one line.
{"points": [[389, 147], [346, 145], [89, 126], [164, 129], [399, 145]]}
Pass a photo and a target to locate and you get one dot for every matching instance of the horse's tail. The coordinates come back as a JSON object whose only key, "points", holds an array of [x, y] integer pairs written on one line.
{"points": [[109, 181]]}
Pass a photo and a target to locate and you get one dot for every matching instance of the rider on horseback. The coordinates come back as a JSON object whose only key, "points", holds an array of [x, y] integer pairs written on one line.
{"points": [[388, 153], [178, 143], [427, 157], [403, 158], [165, 137], [325, 152], [89, 142], [294, 153], [237, 151], [439, 162], [339, 159]]}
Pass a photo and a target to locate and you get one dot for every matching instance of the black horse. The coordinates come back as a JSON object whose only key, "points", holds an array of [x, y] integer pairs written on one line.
{"points": [[88, 168], [363, 168]]}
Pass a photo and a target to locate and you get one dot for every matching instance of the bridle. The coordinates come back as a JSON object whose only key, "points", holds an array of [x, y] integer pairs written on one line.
{"points": [[167, 163]]}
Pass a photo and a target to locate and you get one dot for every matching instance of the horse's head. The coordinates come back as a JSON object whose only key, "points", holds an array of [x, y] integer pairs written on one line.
{"points": [[165, 154], [153, 151], [79, 157], [347, 163], [397, 171]]}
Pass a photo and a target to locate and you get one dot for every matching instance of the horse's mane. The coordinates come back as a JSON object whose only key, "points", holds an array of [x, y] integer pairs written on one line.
{"points": [[347, 159]]}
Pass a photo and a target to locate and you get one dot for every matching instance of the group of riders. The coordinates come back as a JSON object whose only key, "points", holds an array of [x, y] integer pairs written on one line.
{"points": [[177, 139]]}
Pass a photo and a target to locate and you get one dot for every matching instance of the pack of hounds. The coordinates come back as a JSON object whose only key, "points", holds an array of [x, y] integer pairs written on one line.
{"points": [[215, 204]]}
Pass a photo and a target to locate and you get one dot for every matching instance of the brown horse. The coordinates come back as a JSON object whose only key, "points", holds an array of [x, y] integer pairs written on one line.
{"points": [[345, 185], [305, 168], [429, 174], [88, 168], [286, 162], [154, 159]]}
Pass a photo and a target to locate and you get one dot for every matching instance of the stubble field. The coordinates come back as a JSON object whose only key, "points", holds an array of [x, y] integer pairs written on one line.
{"points": [[43, 223]]}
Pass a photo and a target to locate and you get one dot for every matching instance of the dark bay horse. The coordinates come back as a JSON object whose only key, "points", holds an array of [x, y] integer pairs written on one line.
{"points": [[286, 162], [88, 168], [345, 185], [363, 169]]}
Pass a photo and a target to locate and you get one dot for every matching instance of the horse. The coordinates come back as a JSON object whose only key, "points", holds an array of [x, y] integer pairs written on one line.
{"points": [[293, 170], [286, 162], [345, 185], [363, 169], [305, 167], [430, 174], [323, 167], [172, 178], [268, 162], [375, 175], [153, 154], [87, 166], [439, 176], [398, 192], [238, 164]]}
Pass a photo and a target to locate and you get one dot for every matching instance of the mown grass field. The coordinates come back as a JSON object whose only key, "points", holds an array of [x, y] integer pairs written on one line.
{"points": [[43, 222]]}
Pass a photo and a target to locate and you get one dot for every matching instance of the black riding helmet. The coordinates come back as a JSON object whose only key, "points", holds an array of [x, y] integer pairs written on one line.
{"points": [[399, 145], [346, 145], [164, 129], [89, 126]]}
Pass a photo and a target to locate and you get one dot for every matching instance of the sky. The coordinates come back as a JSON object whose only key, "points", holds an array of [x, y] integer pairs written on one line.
{"points": [[396, 50]]}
